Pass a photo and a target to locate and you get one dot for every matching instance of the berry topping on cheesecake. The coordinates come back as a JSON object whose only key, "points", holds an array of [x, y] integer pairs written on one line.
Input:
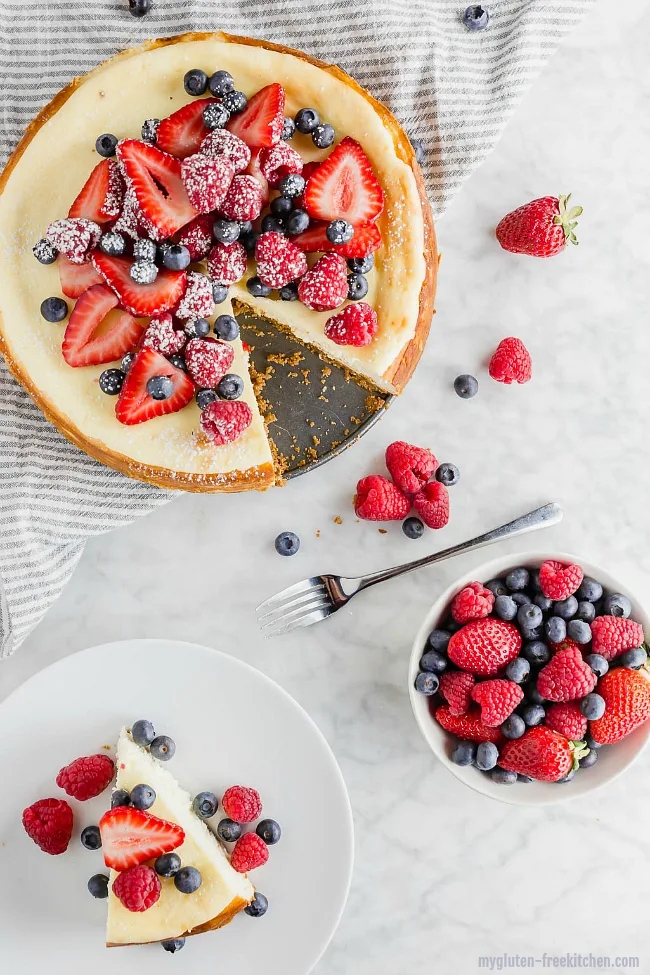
{"points": [[139, 401]]}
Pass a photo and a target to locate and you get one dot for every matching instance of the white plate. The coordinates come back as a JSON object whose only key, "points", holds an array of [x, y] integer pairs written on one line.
{"points": [[231, 725]]}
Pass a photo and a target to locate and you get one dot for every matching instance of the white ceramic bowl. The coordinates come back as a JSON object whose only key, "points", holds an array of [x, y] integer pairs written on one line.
{"points": [[612, 760]]}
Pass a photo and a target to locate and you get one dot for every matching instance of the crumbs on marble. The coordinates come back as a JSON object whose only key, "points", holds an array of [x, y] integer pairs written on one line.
{"points": [[338, 520], [382, 531], [318, 533]]}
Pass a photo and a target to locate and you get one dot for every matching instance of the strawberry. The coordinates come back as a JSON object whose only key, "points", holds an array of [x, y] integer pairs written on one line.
{"points": [[484, 647], [308, 171], [135, 405], [244, 199], [559, 581], [197, 300], [467, 726], [137, 888], [49, 823], [541, 754], [76, 278], [279, 161], [567, 719], [161, 335], [227, 263], [253, 169], [325, 286], [220, 142], [260, 124], [344, 186], [627, 704], [511, 362], [314, 239], [472, 603], [541, 228], [278, 260], [410, 467], [197, 236], [140, 299], [432, 503], [612, 635], [102, 194], [566, 677], [378, 499], [366, 240], [498, 699], [182, 133], [155, 178], [76, 238], [456, 687], [356, 324], [222, 422], [81, 346], [87, 777], [208, 361], [131, 836], [206, 180], [132, 220]]}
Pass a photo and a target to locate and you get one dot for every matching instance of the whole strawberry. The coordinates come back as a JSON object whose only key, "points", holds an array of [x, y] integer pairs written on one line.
{"points": [[567, 719], [432, 504], [627, 704], [485, 646], [511, 362], [497, 699], [410, 467], [467, 726], [378, 499], [566, 677], [86, 778], [49, 823], [472, 603], [541, 228], [612, 635], [541, 754], [456, 687], [559, 581]]}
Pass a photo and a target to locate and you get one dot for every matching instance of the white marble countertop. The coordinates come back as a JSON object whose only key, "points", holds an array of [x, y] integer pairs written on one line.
{"points": [[444, 875]]}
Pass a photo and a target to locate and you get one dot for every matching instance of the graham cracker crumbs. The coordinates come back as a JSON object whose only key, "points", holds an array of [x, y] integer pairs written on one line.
{"points": [[102, 94], [346, 432], [325, 372], [293, 375], [315, 441], [338, 520], [301, 463], [310, 423], [270, 418], [318, 533], [282, 359], [107, 747], [311, 453], [355, 420], [323, 398], [335, 444], [305, 375], [374, 403], [382, 531]]}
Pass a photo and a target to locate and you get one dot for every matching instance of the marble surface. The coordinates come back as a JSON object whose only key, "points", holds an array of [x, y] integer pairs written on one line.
{"points": [[443, 875]]}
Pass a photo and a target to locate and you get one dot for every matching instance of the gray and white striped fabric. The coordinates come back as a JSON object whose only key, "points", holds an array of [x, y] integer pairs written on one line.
{"points": [[449, 87]]}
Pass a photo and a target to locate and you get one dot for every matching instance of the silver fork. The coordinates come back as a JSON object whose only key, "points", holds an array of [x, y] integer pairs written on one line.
{"points": [[315, 599]]}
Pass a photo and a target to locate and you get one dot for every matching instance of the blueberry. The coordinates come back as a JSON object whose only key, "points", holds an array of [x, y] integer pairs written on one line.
{"points": [[195, 82], [269, 831], [592, 743], [633, 658], [427, 683], [54, 309], [177, 257], [113, 244], [105, 145], [617, 605], [531, 633], [220, 83], [323, 135], [143, 272], [187, 880], [514, 726], [219, 292], [590, 589], [178, 361], [586, 611], [231, 386], [544, 603], [451, 625], [174, 945], [464, 753], [272, 225], [160, 387], [592, 706], [505, 608], [204, 397], [534, 580], [44, 252], [288, 129], [434, 661], [497, 587], [502, 776], [520, 599], [120, 798], [111, 380], [226, 328], [418, 149], [215, 116], [142, 796], [518, 670], [289, 292], [259, 290], [91, 838], [357, 287], [524, 778], [296, 223], [163, 748], [167, 865], [413, 528], [590, 759], [598, 664], [234, 101], [287, 543], [307, 119], [98, 885], [197, 328], [249, 242], [518, 579], [448, 474], [533, 694], [568, 776], [439, 640], [466, 386], [228, 831], [537, 653], [281, 206], [529, 616], [579, 631], [292, 185], [362, 264], [145, 249], [533, 714], [149, 130], [487, 756], [476, 17], [138, 8], [258, 906], [566, 609], [245, 227], [555, 629], [205, 805], [225, 231]]}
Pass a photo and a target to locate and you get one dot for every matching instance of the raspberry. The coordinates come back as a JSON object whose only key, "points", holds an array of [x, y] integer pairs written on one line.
{"points": [[49, 823], [250, 852], [224, 422], [279, 161], [138, 888], [220, 142], [485, 646], [511, 362], [227, 263], [432, 504], [161, 335], [566, 718], [74, 237], [467, 726], [498, 699], [208, 361], [244, 200], [559, 581], [326, 285], [410, 467], [241, 804], [206, 180], [566, 677], [197, 236], [355, 325], [278, 260], [456, 687], [86, 778], [377, 499], [612, 635], [472, 603], [197, 302]]}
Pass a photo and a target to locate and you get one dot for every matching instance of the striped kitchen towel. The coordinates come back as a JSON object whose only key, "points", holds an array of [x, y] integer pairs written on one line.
{"points": [[451, 88]]}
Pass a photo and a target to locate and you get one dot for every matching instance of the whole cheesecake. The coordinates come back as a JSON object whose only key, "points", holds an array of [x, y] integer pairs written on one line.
{"points": [[172, 440]]}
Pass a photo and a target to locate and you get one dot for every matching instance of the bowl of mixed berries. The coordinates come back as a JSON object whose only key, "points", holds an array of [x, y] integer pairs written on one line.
{"points": [[533, 678]]}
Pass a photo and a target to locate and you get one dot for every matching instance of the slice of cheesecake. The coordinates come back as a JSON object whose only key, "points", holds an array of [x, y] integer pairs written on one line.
{"points": [[223, 891]]}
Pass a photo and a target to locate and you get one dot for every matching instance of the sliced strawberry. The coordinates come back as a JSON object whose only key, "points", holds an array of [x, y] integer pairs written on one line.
{"points": [[140, 299], [254, 169], [182, 133], [77, 278], [82, 346], [260, 124], [345, 186], [366, 240], [131, 836], [135, 405], [155, 178], [101, 197], [314, 239], [308, 171]]}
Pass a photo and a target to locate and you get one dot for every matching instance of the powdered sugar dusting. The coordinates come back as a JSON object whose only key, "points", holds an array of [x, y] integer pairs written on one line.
{"points": [[162, 336], [206, 180], [224, 422], [279, 161], [197, 302], [208, 361], [115, 191], [75, 237], [278, 260], [227, 263], [221, 142], [325, 286], [197, 237], [244, 199]]}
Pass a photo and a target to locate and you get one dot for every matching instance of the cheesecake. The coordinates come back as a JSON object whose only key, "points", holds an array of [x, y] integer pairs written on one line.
{"points": [[361, 178], [223, 892]]}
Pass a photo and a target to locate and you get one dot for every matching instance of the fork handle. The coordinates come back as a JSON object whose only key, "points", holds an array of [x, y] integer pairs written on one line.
{"points": [[548, 514]]}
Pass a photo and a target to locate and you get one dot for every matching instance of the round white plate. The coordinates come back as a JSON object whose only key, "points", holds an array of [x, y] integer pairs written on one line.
{"points": [[231, 725]]}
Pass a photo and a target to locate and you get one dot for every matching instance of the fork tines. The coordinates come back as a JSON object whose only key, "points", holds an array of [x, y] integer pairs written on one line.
{"points": [[304, 603]]}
